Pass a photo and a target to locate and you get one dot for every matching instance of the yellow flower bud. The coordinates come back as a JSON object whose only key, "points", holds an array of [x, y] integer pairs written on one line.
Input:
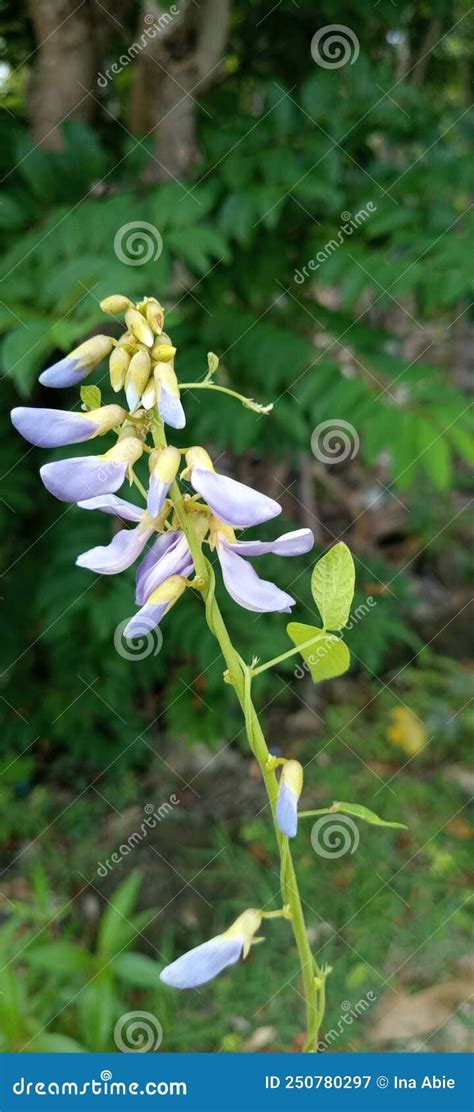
{"points": [[245, 927], [107, 417], [198, 457], [127, 449], [149, 395], [137, 377], [292, 774], [118, 366], [115, 304], [169, 591], [138, 325], [155, 315], [164, 463], [164, 353], [92, 351]]}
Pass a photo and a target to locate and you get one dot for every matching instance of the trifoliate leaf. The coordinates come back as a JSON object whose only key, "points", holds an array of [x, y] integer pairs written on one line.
{"points": [[91, 397], [326, 657], [332, 586]]}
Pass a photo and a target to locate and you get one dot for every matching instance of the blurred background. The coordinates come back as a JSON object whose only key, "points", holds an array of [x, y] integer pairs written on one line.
{"points": [[299, 196]]}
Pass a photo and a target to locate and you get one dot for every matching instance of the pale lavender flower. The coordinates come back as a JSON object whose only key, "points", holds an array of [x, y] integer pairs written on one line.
{"points": [[290, 788], [74, 367], [84, 477], [204, 962], [157, 605], [52, 428], [242, 581], [233, 503]]}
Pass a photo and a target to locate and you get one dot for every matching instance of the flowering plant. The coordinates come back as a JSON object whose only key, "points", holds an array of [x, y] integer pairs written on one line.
{"points": [[179, 529]]}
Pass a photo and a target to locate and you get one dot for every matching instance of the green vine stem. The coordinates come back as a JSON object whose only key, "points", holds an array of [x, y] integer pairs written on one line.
{"points": [[240, 676]]}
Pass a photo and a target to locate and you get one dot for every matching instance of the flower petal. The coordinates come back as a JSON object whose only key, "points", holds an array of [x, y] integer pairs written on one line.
{"points": [[202, 963], [287, 811], [170, 409], [175, 559], [289, 544], [145, 620], [246, 587], [157, 492], [66, 372], [233, 502], [83, 477], [111, 504], [156, 550], [51, 428], [108, 559]]}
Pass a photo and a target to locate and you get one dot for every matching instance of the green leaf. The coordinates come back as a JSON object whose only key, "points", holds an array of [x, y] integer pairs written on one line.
{"points": [[137, 970], [115, 926], [327, 657], [59, 958], [91, 397], [332, 586], [363, 813]]}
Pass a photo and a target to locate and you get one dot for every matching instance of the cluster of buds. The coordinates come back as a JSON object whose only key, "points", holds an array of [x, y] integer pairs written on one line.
{"points": [[142, 362]]}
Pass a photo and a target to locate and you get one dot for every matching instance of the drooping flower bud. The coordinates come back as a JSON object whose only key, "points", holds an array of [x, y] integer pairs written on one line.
{"points": [[52, 428], [136, 378], [168, 398], [290, 788], [149, 394], [164, 466], [75, 366], [198, 457], [139, 326], [115, 304], [118, 365], [164, 353], [155, 315], [128, 448]]}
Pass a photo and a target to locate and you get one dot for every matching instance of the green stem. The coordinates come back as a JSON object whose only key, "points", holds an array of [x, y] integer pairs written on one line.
{"points": [[240, 676], [285, 656], [248, 402]]}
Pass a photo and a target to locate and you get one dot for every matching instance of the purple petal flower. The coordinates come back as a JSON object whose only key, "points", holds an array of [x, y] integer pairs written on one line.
{"points": [[163, 542], [246, 587], [287, 811], [66, 372], [170, 409], [111, 504], [145, 620], [203, 962], [83, 477], [172, 559], [233, 502], [295, 543], [108, 559], [51, 428]]}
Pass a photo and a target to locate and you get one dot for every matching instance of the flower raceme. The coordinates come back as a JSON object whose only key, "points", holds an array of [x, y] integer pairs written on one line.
{"points": [[141, 364]]}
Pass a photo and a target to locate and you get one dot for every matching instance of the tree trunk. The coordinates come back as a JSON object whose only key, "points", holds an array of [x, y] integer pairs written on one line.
{"points": [[65, 71], [179, 62]]}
